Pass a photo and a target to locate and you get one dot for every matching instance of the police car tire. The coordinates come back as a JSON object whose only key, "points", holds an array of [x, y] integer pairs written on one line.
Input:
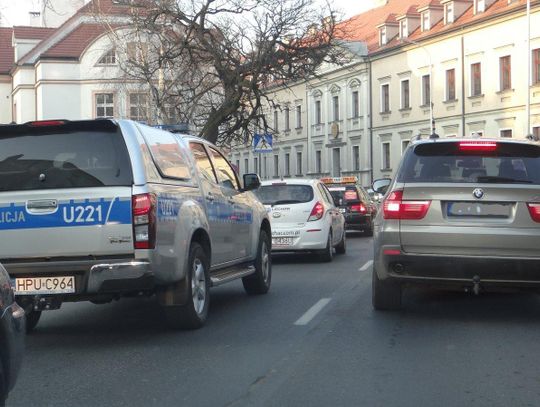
{"points": [[185, 316], [32, 319], [257, 283], [341, 248], [327, 254]]}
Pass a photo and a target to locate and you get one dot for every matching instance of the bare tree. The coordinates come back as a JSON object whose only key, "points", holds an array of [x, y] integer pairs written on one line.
{"points": [[212, 61]]}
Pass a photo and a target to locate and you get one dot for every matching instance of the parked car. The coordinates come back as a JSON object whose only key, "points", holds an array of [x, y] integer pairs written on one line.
{"points": [[100, 209], [354, 202], [12, 331], [460, 214], [304, 217]]}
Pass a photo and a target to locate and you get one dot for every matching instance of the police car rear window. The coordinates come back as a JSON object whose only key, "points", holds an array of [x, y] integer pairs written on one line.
{"points": [[472, 162], [57, 159], [344, 193], [284, 194]]}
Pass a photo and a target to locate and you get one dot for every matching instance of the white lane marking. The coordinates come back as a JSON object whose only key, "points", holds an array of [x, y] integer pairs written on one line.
{"points": [[366, 266], [312, 312]]}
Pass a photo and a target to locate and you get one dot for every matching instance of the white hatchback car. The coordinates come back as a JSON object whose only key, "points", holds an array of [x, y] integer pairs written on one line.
{"points": [[303, 217]]}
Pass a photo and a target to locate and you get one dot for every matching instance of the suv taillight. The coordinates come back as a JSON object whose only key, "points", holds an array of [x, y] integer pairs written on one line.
{"points": [[358, 208], [144, 221], [394, 207], [317, 212], [534, 210]]}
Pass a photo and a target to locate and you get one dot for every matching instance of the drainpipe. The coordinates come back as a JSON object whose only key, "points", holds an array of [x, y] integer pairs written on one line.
{"points": [[528, 110], [462, 86], [370, 91]]}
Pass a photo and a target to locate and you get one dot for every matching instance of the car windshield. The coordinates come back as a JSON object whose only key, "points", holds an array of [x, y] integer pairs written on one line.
{"points": [[280, 194], [447, 162]]}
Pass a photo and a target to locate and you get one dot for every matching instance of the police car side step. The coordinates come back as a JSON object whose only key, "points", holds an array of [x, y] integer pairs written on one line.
{"points": [[229, 274]]}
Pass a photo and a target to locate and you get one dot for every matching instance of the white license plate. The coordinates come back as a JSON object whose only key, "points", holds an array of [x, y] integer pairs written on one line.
{"points": [[342, 210], [44, 285], [282, 241]]}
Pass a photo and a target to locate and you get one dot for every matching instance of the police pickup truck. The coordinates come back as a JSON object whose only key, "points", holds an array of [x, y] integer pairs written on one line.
{"points": [[100, 209]]}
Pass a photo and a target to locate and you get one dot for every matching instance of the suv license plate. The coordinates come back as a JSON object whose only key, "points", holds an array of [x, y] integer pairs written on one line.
{"points": [[44, 285], [282, 241]]}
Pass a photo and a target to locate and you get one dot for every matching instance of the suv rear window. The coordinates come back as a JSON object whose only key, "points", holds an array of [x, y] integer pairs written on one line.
{"points": [[447, 162], [45, 159], [280, 194]]}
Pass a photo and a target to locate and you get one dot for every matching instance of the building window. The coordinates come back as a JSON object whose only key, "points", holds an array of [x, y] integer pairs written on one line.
{"points": [[318, 161], [403, 28], [287, 164], [505, 69], [298, 117], [287, 123], [256, 165], [265, 162], [104, 105], [536, 132], [536, 65], [425, 21], [299, 163], [109, 58], [385, 98], [478, 133], [138, 107], [318, 113], [385, 156], [405, 94], [506, 133], [382, 36], [356, 158], [246, 165], [476, 79], [404, 145], [451, 84], [448, 13], [276, 121], [355, 105], [426, 90], [335, 106], [276, 166]]}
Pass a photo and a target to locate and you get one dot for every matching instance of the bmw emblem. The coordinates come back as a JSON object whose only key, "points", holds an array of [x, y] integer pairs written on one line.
{"points": [[276, 214], [478, 193]]}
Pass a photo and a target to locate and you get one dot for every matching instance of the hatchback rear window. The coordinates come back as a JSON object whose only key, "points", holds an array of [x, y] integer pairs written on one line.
{"points": [[280, 194], [472, 163], [45, 159]]}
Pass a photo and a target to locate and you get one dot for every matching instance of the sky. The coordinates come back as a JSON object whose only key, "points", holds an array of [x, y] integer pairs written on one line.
{"points": [[15, 12]]}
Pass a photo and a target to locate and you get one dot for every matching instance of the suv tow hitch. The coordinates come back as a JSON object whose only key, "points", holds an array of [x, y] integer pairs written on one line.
{"points": [[45, 303]]}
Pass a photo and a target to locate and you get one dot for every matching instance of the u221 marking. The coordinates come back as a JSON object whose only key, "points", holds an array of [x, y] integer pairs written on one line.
{"points": [[83, 214]]}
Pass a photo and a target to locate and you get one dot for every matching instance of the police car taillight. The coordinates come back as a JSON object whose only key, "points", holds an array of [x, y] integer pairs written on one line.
{"points": [[358, 208], [317, 212], [144, 221]]}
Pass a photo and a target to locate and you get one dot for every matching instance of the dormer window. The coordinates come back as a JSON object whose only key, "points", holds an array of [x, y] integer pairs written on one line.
{"points": [[109, 58], [403, 32], [479, 6], [425, 21], [448, 13], [382, 36]]}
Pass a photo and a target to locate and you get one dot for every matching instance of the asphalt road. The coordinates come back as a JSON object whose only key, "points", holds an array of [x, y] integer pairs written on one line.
{"points": [[314, 340]]}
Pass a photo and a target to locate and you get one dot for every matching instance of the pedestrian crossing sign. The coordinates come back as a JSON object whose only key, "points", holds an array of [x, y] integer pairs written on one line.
{"points": [[262, 143]]}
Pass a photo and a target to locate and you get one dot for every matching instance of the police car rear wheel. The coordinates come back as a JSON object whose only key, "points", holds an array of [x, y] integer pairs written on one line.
{"points": [[259, 282], [32, 319], [193, 314]]}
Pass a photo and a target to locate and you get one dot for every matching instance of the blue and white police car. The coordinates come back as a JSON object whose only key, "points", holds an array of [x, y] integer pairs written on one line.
{"points": [[100, 209]]}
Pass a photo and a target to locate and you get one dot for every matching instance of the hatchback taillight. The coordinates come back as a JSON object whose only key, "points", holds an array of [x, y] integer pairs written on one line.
{"points": [[317, 212], [144, 221], [534, 210], [394, 207], [358, 208]]}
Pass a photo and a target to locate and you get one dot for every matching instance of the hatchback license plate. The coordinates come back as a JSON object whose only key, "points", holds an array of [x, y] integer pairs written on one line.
{"points": [[44, 285], [282, 241]]}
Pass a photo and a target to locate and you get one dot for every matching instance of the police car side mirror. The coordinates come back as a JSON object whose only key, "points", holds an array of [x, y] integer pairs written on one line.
{"points": [[251, 182]]}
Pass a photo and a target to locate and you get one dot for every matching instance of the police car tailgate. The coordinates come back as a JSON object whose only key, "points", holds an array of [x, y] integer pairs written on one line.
{"points": [[66, 223]]}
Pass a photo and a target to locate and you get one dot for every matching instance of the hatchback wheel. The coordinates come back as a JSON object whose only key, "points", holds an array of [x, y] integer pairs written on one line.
{"points": [[341, 248], [327, 254]]}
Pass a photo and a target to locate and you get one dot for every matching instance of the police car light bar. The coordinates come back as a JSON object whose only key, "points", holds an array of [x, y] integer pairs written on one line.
{"points": [[45, 123], [339, 180]]}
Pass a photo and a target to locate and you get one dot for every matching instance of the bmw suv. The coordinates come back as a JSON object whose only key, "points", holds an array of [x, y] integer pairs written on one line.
{"points": [[461, 214]]}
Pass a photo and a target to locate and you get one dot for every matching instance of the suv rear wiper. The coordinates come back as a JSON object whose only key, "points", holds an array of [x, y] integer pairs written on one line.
{"points": [[494, 179]]}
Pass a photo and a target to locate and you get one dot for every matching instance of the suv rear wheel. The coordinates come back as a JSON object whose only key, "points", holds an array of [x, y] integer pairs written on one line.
{"points": [[32, 319], [193, 314], [259, 282], [385, 295]]}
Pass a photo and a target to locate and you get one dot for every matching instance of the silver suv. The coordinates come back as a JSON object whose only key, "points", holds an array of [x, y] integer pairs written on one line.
{"points": [[461, 214], [100, 209]]}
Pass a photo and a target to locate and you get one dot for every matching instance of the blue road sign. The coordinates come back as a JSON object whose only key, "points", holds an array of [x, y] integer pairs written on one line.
{"points": [[262, 143]]}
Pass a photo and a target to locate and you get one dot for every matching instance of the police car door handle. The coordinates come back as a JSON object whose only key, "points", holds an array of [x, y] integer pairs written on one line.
{"points": [[210, 197], [42, 206]]}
